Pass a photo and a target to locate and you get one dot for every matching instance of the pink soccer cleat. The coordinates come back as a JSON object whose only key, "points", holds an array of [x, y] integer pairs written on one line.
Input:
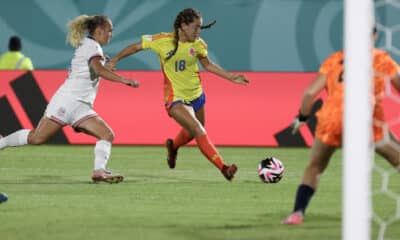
{"points": [[295, 218], [102, 175]]}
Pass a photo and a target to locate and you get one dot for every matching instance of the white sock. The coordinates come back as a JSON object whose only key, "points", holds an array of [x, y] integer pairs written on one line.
{"points": [[102, 152], [15, 139]]}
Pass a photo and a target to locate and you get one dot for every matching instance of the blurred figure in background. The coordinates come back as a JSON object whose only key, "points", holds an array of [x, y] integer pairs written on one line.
{"points": [[14, 59]]}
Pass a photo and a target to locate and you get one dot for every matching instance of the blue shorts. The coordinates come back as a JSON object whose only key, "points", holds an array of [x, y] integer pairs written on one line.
{"points": [[196, 104]]}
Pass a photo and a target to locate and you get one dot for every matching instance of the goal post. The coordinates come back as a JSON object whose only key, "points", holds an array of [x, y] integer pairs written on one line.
{"points": [[357, 160]]}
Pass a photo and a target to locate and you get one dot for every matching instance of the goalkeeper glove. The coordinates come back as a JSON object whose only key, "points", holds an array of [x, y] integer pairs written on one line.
{"points": [[298, 122]]}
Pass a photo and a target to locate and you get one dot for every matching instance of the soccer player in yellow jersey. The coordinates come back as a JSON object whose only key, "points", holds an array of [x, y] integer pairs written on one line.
{"points": [[183, 94]]}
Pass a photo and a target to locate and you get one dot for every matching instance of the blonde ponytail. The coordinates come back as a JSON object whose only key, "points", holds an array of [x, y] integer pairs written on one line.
{"points": [[76, 30]]}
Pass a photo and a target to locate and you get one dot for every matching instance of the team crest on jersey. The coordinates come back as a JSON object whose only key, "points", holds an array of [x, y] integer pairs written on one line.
{"points": [[192, 52], [148, 37], [170, 53]]}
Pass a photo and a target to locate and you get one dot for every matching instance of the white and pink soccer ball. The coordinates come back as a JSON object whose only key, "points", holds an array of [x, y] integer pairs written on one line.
{"points": [[270, 170]]}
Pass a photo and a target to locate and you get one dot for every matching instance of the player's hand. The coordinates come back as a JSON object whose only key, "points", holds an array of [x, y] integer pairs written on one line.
{"points": [[132, 83], [299, 121], [240, 79]]}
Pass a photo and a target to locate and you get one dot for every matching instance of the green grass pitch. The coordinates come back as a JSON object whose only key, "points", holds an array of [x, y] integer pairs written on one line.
{"points": [[51, 197]]}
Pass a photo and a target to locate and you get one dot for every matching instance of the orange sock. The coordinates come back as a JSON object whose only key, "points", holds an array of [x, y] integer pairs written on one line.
{"points": [[182, 138], [208, 149]]}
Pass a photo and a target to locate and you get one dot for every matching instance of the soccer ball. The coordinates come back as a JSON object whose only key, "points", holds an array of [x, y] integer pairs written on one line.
{"points": [[270, 170]]}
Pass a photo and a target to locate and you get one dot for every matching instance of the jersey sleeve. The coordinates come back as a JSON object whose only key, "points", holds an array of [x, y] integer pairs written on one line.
{"points": [[152, 42], [201, 48], [147, 41], [94, 50]]}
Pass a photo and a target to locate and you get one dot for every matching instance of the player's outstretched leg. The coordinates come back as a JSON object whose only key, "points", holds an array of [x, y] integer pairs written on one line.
{"points": [[15, 139], [208, 149]]}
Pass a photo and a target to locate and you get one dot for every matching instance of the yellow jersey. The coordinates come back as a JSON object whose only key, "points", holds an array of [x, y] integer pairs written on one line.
{"points": [[181, 72]]}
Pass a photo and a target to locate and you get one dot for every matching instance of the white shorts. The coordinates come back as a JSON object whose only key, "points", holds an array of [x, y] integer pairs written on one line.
{"points": [[68, 111]]}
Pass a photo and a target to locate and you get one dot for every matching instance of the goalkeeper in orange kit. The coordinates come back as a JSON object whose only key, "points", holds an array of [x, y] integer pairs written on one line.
{"points": [[328, 134]]}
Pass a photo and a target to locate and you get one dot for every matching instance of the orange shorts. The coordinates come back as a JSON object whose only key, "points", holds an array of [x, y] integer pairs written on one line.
{"points": [[329, 129]]}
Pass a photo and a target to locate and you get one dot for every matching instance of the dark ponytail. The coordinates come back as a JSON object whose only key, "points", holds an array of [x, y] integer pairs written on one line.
{"points": [[186, 16], [209, 25]]}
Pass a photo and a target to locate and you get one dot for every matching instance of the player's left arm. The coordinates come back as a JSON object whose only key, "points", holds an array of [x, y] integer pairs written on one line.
{"points": [[104, 72], [316, 86], [129, 50], [209, 66]]}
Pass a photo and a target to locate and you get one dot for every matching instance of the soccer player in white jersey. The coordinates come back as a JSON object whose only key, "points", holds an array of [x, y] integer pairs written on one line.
{"points": [[72, 104]]}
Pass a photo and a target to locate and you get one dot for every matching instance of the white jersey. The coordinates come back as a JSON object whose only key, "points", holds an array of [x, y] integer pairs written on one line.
{"points": [[82, 83]]}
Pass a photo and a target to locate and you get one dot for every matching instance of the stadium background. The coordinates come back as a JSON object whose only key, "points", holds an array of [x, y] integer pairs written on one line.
{"points": [[278, 43]]}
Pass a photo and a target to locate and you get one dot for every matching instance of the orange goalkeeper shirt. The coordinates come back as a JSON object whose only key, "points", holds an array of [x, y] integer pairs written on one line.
{"points": [[330, 124]]}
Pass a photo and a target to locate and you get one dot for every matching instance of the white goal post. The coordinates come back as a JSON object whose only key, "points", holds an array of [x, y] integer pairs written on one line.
{"points": [[357, 162]]}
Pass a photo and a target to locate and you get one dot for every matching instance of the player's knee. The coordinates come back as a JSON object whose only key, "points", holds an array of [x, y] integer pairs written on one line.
{"points": [[109, 136], [36, 140], [197, 131]]}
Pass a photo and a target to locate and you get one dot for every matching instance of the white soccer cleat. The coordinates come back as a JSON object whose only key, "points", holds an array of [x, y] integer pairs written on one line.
{"points": [[102, 175]]}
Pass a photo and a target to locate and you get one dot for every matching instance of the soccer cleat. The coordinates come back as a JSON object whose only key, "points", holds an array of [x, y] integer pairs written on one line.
{"points": [[229, 171], [295, 218], [102, 175], [171, 157]]}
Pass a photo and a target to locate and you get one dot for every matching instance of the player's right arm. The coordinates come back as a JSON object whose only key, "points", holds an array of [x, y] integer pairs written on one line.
{"points": [[100, 70], [317, 85], [129, 50], [209, 66]]}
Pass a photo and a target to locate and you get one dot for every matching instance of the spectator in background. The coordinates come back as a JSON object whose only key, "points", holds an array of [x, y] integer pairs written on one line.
{"points": [[14, 59]]}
